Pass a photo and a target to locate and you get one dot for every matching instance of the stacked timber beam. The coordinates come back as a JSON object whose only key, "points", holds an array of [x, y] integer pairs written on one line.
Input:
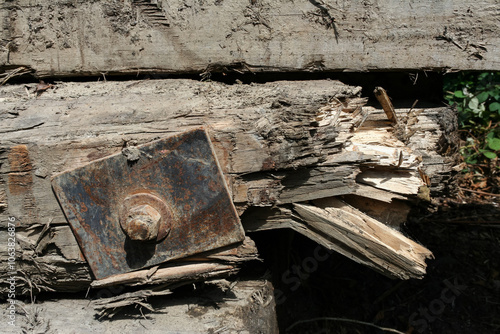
{"points": [[61, 38], [306, 155]]}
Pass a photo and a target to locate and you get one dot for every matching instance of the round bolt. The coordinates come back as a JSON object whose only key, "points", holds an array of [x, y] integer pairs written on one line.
{"points": [[142, 223]]}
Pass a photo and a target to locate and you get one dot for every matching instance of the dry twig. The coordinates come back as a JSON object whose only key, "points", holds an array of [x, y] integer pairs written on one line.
{"points": [[479, 192], [4, 77]]}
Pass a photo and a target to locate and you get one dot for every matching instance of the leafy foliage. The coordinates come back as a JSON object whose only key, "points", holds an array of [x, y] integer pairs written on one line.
{"points": [[477, 99]]}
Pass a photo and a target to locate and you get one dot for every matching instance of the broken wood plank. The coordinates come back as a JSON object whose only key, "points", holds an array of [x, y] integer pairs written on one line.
{"points": [[106, 37], [365, 239], [185, 273], [350, 232]]}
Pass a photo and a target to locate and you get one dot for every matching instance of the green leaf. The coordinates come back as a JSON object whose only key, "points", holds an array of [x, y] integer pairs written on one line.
{"points": [[483, 76], [489, 155], [495, 92], [483, 97], [495, 106], [459, 94], [494, 144]]}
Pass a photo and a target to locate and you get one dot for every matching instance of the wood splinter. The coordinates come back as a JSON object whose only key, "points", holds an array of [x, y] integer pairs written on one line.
{"points": [[386, 103]]}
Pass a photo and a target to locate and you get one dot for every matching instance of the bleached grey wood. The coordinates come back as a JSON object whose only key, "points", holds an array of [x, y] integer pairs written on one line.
{"points": [[77, 38], [242, 307]]}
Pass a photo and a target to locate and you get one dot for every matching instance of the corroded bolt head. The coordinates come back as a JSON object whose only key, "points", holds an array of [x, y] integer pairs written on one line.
{"points": [[142, 223]]}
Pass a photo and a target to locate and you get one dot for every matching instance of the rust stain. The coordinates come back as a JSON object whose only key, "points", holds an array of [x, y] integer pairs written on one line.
{"points": [[20, 177]]}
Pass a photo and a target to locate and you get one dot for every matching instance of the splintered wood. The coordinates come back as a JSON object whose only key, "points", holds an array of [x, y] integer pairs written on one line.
{"points": [[279, 145], [386, 104], [389, 176], [364, 239]]}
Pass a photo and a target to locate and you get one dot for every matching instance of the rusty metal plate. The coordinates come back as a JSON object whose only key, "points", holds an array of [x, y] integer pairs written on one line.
{"points": [[170, 203]]}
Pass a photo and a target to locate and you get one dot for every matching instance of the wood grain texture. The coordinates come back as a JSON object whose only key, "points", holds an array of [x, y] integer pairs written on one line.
{"points": [[364, 239], [80, 38]]}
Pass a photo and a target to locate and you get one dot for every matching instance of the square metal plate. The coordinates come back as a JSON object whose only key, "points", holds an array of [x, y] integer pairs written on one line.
{"points": [[178, 176]]}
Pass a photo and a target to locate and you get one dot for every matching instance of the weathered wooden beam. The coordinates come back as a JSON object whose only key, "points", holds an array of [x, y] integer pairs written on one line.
{"points": [[277, 143], [256, 130], [103, 37]]}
